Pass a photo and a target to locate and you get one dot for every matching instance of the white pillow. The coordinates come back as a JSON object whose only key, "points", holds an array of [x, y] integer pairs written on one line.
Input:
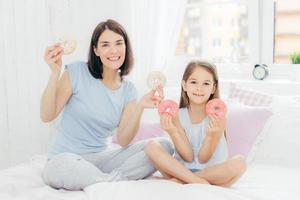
{"points": [[281, 145]]}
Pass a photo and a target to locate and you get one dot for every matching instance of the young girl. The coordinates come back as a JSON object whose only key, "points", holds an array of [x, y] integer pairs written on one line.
{"points": [[200, 142]]}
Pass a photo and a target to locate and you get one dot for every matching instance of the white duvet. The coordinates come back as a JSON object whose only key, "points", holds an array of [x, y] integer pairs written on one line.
{"points": [[261, 181]]}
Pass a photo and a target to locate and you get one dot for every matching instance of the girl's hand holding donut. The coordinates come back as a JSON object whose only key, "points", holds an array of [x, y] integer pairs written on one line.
{"points": [[216, 125], [166, 123]]}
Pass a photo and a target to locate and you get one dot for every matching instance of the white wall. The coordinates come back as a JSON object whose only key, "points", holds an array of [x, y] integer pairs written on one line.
{"points": [[25, 32]]}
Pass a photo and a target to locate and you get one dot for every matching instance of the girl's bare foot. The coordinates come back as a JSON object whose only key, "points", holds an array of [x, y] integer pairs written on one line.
{"points": [[176, 180], [203, 181], [156, 177]]}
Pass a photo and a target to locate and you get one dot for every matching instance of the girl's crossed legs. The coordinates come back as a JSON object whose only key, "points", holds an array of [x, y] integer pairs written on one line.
{"points": [[223, 174]]}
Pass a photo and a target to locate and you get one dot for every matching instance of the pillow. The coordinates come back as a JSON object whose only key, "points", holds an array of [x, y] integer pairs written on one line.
{"points": [[249, 97], [281, 145], [147, 130], [245, 125]]}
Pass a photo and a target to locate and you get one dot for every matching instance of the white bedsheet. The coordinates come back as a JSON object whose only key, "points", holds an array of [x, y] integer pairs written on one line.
{"points": [[261, 181]]}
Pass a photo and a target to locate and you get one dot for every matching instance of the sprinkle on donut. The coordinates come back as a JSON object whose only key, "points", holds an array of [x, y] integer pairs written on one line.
{"points": [[168, 107]]}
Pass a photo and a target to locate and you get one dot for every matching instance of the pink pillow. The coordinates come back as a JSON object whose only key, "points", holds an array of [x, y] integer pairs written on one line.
{"points": [[147, 130], [249, 97], [244, 125]]}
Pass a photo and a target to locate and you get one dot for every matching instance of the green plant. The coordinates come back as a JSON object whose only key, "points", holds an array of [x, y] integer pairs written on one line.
{"points": [[295, 57]]}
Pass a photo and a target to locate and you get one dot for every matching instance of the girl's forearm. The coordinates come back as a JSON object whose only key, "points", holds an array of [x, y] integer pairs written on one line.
{"points": [[208, 147], [182, 146]]}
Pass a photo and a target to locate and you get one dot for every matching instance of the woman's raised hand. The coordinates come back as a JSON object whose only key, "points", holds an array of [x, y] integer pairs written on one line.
{"points": [[52, 57], [153, 98]]}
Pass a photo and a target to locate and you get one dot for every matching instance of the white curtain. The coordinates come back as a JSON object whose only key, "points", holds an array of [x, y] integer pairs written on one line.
{"points": [[28, 26], [23, 36], [154, 27]]}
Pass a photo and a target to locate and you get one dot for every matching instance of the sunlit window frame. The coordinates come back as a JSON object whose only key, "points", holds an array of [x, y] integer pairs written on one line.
{"points": [[261, 44], [289, 72], [253, 33]]}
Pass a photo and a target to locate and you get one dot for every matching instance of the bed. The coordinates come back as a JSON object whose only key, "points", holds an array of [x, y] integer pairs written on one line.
{"points": [[273, 171], [261, 181]]}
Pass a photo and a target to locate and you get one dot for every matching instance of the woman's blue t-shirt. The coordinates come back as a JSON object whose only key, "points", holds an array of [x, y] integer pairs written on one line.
{"points": [[91, 114]]}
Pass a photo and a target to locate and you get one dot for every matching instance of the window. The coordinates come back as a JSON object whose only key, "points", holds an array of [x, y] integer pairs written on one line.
{"points": [[237, 34], [211, 25], [287, 30]]}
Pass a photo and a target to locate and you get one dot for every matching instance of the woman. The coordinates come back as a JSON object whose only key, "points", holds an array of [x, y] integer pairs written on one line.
{"points": [[96, 100]]}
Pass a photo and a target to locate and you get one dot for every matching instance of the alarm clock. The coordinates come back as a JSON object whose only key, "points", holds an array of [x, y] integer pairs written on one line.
{"points": [[260, 71]]}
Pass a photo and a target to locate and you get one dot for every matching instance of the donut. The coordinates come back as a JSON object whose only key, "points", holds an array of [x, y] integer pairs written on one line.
{"points": [[216, 107], [168, 107], [156, 78], [68, 44]]}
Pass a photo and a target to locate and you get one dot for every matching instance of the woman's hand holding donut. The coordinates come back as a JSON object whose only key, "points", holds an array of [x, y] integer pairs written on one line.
{"points": [[216, 125], [53, 56], [151, 100]]}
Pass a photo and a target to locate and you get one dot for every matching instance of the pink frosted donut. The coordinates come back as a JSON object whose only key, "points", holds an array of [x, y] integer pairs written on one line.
{"points": [[168, 107], [68, 44], [216, 107], [156, 78]]}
